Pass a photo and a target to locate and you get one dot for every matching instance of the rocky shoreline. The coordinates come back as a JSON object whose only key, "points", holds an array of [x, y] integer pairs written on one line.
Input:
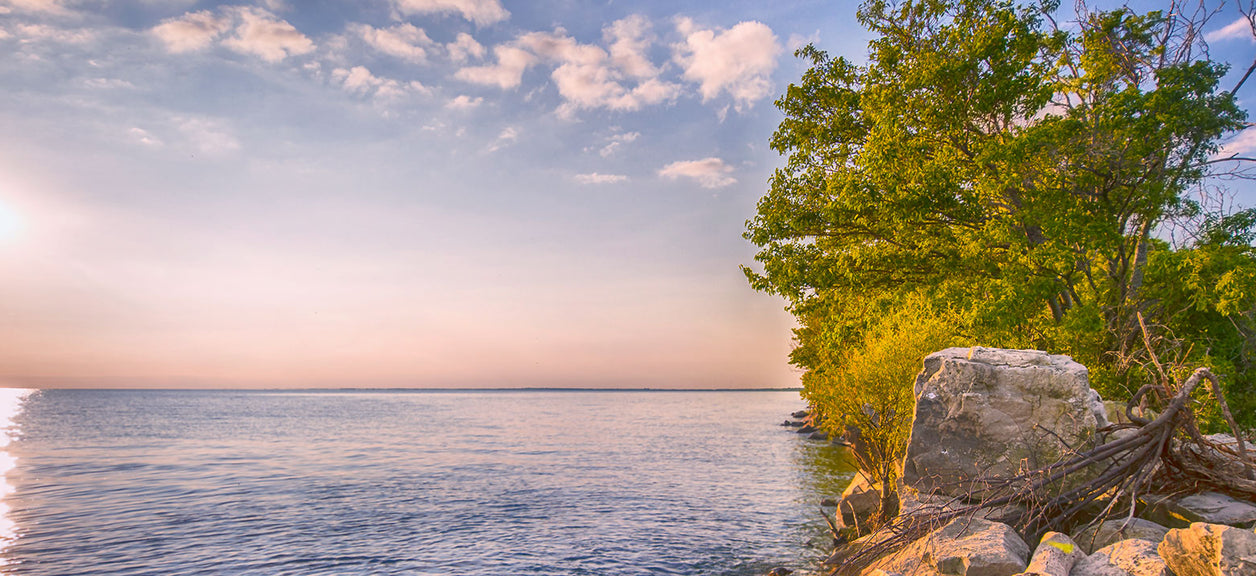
{"points": [[989, 413]]}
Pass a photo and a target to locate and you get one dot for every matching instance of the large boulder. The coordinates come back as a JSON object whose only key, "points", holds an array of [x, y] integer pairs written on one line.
{"points": [[1112, 531], [1135, 557], [964, 547], [985, 411], [1209, 550]]}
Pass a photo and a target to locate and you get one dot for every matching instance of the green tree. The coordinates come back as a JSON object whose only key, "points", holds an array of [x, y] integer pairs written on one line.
{"points": [[1011, 172]]}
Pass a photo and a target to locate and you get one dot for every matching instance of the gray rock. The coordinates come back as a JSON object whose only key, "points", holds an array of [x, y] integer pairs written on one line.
{"points": [[1111, 531], [1055, 555], [964, 547], [1134, 557], [819, 435], [860, 502], [996, 412], [1209, 550], [1208, 507]]}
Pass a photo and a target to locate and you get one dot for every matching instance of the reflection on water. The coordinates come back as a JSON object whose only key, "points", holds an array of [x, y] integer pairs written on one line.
{"points": [[397, 483], [11, 401], [824, 471]]}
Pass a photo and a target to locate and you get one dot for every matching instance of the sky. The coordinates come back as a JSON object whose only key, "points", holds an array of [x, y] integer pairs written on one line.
{"points": [[398, 193]]}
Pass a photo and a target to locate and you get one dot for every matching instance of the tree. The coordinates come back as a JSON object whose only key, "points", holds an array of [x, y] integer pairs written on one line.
{"points": [[1009, 172]]}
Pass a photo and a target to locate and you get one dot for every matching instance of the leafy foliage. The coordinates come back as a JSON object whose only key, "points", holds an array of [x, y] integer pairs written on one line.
{"points": [[990, 172]]}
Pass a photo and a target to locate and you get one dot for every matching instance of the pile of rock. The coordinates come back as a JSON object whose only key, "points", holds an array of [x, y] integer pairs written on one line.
{"points": [[983, 412], [976, 547]]}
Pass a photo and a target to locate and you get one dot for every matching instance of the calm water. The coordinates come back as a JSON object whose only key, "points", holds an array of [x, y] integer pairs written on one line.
{"points": [[348, 483]]}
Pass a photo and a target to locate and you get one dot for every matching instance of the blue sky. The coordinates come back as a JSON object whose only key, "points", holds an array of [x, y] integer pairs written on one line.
{"points": [[395, 192]]}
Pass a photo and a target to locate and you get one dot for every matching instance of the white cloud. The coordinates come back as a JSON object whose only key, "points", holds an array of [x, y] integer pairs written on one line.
{"points": [[260, 33], [208, 136], [595, 178], [586, 75], [1244, 144], [359, 80], [509, 135], [257, 32], [45, 33], [481, 12], [403, 41], [464, 48], [708, 172], [192, 31], [143, 137], [738, 61], [797, 41], [628, 39], [464, 102], [107, 83], [49, 6], [616, 141], [506, 73], [1241, 28]]}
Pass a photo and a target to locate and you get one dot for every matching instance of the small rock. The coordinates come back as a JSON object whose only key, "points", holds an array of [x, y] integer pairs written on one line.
{"points": [[828, 503], [1209, 550], [1207, 507], [1055, 555], [807, 429], [860, 501], [1112, 531], [778, 571], [819, 435], [1134, 557], [801, 414]]}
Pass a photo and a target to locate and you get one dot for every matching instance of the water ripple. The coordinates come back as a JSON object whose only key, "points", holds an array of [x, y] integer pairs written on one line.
{"points": [[482, 484]]}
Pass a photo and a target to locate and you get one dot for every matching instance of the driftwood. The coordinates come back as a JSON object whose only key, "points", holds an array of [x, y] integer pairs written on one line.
{"points": [[1104, 482]]}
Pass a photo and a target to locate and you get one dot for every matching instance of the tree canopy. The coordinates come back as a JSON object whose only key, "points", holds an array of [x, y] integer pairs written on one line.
{"points": [[1015, 179]]}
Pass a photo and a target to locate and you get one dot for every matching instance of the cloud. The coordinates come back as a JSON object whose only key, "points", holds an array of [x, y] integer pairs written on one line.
{"points": [[49, 6], [208, 136], [506, 73], [586, 75], [628, 39], [509, 135], [260, 33], [403, 41], [464, 102], [797, 41], [359, 80], [192, 31], [481, 12], [143, 137], [595, 178], [45, 33], [464, 48], [1244, 144], [616, 141], [1241, 28], [107, 83], [738, 61], [257, 32], [708, 172]]}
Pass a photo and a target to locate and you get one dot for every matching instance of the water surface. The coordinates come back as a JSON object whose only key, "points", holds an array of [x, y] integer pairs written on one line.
{"points": [[467, 483]]}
